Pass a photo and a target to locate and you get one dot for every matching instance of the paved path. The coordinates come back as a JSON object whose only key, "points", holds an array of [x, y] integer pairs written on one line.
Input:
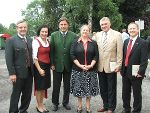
{"points": [[5, 91]]}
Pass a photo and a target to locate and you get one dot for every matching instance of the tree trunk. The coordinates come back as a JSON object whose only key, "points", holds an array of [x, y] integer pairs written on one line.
{"points": [[90, 15]]}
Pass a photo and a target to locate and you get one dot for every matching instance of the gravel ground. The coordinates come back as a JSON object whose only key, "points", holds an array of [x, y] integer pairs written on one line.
{"points": [[96, 102]]}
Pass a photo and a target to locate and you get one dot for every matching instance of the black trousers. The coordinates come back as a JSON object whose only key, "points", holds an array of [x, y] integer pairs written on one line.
{"points": [[108, 83], [135, 84], [57, 78], [23, 88]]}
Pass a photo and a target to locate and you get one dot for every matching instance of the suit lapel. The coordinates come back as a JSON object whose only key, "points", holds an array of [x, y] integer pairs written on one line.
{"points": [[136, 44], [100, 40], [125, 46]]}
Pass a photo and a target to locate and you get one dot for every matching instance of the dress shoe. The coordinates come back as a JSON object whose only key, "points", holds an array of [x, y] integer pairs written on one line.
{"points": [[101, 110], [22, 112], [40, 111], [109, 111], [124, 111], [55, 108], [67, 107]]}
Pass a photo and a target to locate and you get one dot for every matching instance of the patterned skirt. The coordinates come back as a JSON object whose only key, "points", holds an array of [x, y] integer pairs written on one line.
{"points": [[84, 83]]}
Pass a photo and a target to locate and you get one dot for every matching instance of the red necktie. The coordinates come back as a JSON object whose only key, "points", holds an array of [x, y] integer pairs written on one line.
{"points": [[128, 52]]}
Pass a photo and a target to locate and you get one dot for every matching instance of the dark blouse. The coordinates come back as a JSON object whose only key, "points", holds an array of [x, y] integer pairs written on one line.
{"points": [[84, 53]]}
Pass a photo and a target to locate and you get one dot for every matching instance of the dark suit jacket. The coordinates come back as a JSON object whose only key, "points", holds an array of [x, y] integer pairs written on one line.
{"points": [[77, 52], [60, 50], [148, 41], [138, 56], [15, 54]]}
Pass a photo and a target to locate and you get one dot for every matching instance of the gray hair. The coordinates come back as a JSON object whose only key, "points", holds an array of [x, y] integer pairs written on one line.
{"points": [[20, 21], [104, 19]]}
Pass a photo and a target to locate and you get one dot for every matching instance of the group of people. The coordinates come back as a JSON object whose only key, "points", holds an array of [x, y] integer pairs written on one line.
{"points": [[88, 66]]}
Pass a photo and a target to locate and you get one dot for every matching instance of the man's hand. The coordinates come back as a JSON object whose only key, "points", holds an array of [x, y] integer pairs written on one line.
{"points": [[138, 76], [53, 67], [12, 78]]}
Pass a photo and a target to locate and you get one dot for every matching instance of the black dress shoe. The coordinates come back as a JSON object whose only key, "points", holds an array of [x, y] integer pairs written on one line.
{"points": [[55, 108], [124, 111], [21, 112], [67, 107]]}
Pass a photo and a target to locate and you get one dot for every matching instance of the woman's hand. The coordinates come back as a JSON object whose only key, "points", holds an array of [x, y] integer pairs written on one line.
{"points": [[83, 67], [42, 72], [89, 66]]}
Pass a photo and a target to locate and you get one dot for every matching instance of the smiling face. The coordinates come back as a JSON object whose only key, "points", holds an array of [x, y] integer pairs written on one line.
{"points": [[44, 33], [22, 28], [85, 30], [105, 25], [63, 26], [133, 29]]}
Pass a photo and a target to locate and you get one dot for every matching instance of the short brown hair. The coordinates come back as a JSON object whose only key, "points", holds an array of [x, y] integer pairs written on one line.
{"points": [[63, 19]]}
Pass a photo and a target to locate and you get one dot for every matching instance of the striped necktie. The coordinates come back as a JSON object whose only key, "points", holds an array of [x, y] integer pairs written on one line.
{"points": [[104, 40]]}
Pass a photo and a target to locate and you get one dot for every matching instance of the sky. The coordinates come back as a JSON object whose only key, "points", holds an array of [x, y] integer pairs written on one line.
{"points": [[10, 11]]}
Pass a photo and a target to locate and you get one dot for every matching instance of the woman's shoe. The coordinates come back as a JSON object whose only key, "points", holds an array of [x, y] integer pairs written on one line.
{"points": [[88, 111], [39, 110], [46, 110], [79, 110]]}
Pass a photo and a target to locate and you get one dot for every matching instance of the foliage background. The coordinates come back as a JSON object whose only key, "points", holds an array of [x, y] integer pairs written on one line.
{"points": [[79, 12]]}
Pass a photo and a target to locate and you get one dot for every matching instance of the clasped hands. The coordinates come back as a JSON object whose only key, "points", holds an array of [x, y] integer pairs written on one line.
{"points": [[86, 67]]}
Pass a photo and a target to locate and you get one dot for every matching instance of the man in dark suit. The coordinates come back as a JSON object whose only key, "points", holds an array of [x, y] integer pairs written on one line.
{"points": [[61, 63], [18, 56], [148, 41], [135, 53]]}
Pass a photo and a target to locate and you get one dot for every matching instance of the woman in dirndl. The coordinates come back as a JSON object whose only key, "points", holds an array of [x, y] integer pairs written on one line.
{"points": [[84, 80], [41, 57]]}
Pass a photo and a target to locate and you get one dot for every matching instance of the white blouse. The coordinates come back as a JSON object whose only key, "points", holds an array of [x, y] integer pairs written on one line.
{"points": [[36, 45]]}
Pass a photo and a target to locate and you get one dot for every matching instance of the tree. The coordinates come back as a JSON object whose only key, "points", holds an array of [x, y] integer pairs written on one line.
{"points": [[92, 11], [133, 10], [53, 10], [78, 13], [34, 15]]}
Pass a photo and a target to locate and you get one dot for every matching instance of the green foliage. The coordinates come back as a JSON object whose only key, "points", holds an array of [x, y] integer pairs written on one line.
{"points": [[4, 30], [34, 15], [133, 10]]}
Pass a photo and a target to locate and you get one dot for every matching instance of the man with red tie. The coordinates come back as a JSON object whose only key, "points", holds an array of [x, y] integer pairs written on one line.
{"points": [[135, 53]]}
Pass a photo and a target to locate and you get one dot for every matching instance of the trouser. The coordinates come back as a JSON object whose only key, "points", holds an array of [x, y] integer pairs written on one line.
{"points": [[57, 78], [23, 87], [108, 83], [126, 94]]}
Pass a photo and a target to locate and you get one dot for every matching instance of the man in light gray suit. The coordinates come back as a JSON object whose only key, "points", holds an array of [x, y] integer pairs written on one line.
{"points": [[110, 46]]}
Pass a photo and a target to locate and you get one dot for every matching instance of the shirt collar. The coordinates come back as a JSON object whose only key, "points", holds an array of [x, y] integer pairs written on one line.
{"points": [[21, 36], [134, 38], [80, 40], [106, 32], [64, 32]]}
